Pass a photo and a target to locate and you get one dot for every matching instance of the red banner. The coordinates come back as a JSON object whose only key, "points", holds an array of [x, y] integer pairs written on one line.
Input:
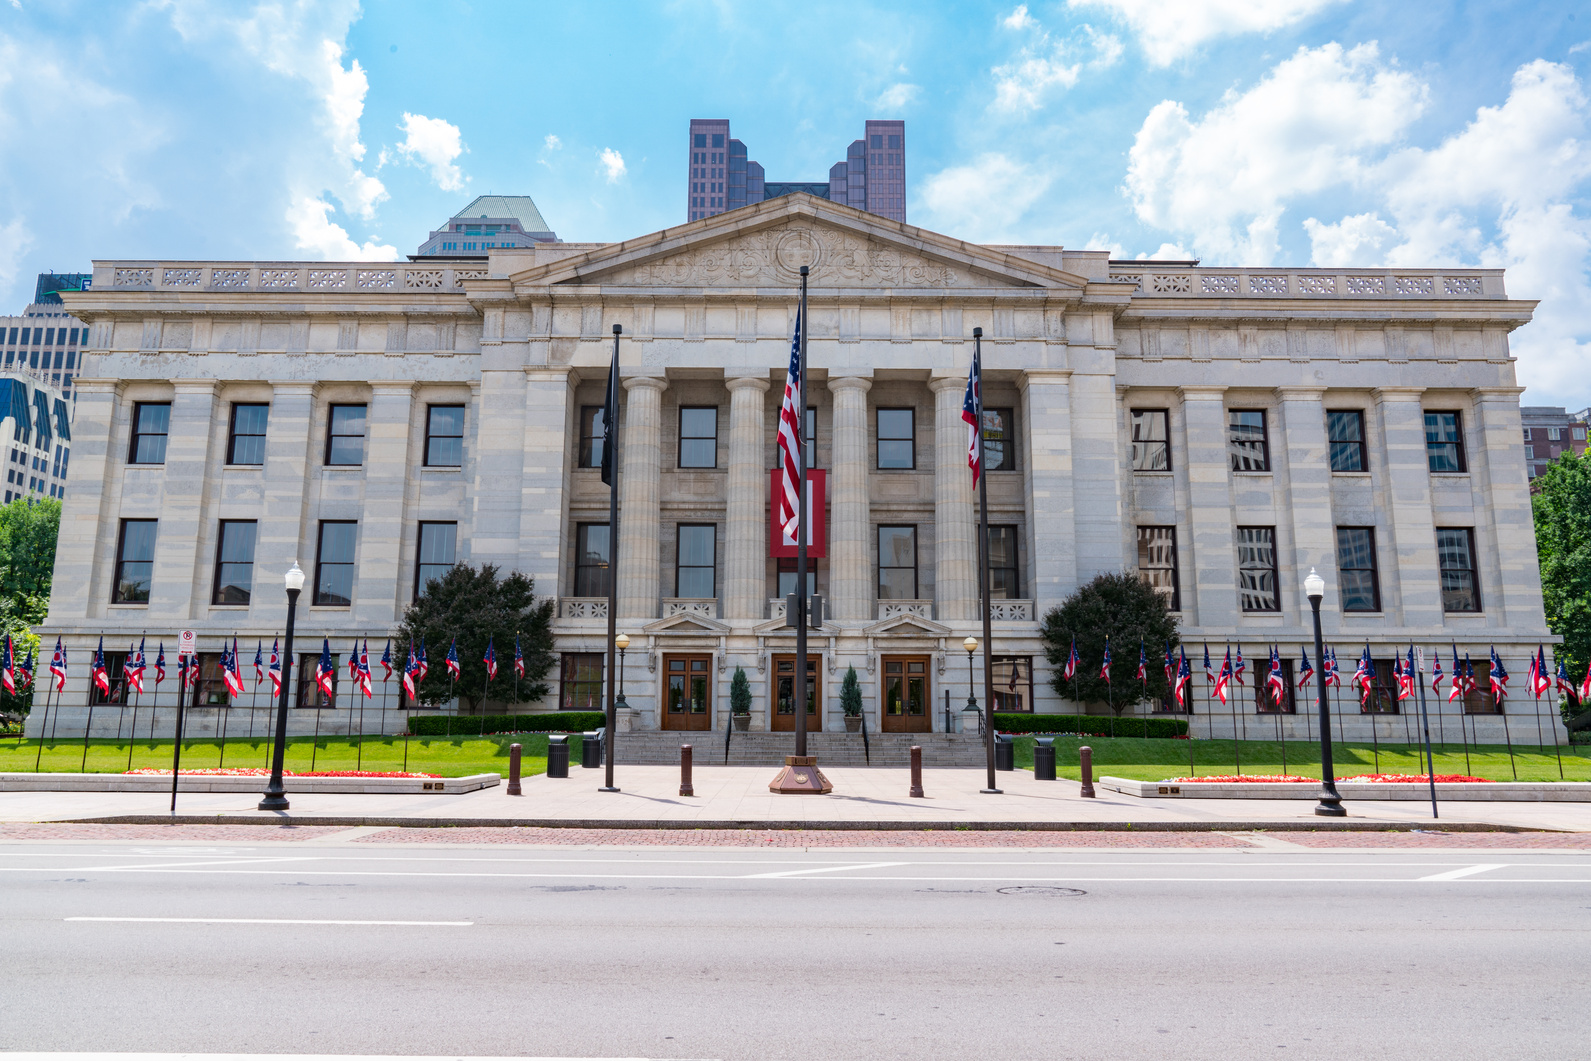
{"points": [[817, 502]]}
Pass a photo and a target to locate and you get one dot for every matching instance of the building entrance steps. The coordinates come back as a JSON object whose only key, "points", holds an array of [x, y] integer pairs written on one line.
{"points": [[940, 750]]}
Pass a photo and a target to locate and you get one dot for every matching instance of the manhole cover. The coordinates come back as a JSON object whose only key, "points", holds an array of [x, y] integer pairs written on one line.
{"points": [[1042, 890]]}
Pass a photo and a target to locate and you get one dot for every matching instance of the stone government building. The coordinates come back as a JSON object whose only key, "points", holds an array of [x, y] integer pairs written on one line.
{"points": [[1220, 430]]}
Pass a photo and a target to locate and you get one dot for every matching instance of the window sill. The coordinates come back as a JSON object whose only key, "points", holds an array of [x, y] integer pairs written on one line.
{"points": [[1253, 473], [230, 607], [331, 607], [243, 467], [1454, 474], [444, 469], [1158, 473], [1463, 615], [1363, 615], [129, 604], [342, 467], [1353, 475]]}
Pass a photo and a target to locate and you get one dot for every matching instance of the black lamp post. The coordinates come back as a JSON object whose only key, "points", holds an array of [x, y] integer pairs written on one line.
{"points": [[275, 793], [622, 642], [1330, 804], [971, 645]]}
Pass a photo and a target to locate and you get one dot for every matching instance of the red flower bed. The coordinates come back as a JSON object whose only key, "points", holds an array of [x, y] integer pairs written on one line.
{"points": [[1227, 779], [1417, 779], [254, 771], [1411, 779]]}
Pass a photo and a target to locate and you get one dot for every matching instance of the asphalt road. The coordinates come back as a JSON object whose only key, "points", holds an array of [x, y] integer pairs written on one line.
{"points": [[912, 954]]}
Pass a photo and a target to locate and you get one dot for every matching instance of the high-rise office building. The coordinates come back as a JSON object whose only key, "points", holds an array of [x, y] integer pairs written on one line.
{"points": [[488, 223], [721, 177]]}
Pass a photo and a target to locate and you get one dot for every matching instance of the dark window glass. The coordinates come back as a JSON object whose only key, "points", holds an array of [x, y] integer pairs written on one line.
{"points": [[1151, 448], [310, 694], [114, 662], [1157, 562], [896, 438], [210, 690], [151, 421], [787, 576], [897, 563], [698, 437], [809, 440], [1444, 442], [580, 682], [1256, 561], [1013, 683], [1356, 565], [694, 571], [444, 436], [591, 431], [591, 560], [1005, 577], [999, 440], [345, 435], [246, 443], [1345, 428], [135, 561], [234, 562], [1247, 442], [1455, 558], [435, 554], [1264, 701], [334, 563]]}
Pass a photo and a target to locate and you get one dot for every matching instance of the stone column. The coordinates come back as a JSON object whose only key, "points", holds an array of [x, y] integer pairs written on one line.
{"points": [[1208, 561], [1412, 581], [1096, 463], [1047, 472], [1510, 578], [746, 535], [383, 590], [282, 535], [955, 507], [178, 585], [850, 583], [84, 564], [640, 469], [1307, 497], [544, 476]]}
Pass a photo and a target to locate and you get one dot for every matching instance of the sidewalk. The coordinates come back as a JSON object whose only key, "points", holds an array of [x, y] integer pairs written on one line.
{"points": [[738, 797]]}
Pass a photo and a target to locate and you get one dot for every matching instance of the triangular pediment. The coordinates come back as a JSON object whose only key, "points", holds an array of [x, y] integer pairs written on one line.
{"points": [[906, 626], [687, 625], [766, 244]]}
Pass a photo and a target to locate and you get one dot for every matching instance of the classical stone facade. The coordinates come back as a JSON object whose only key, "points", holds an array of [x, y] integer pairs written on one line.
{"points": [[1219, 429]]}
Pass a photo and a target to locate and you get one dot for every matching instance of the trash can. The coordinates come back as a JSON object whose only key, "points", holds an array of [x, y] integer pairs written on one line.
{"points": [[557, 755], [591, 750], [1044, 759], [1004, 752]]}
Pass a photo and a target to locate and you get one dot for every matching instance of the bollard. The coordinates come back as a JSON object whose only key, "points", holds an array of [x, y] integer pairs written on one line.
{"points": [[685, 786], [557, 756], [917, 772], [1044, 761], [1085, 759], [513, 770]]}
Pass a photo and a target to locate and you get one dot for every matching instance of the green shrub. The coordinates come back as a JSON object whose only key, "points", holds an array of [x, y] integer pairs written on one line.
{"points": [[1092, 725], [466, 725], [740, 693], [851, 695]]}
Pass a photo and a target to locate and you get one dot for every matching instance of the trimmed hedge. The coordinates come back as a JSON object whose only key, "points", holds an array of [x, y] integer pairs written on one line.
{"points": [[466, 725], [1092, 725]]}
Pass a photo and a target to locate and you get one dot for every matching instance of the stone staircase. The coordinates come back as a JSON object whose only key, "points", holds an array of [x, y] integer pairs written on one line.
{"points": [[940, 750]]}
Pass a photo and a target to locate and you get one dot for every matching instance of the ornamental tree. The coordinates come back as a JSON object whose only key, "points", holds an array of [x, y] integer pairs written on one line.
{"points": [[474, 604], [1126, 609], [1561, 507], [740, 693], [851, 694]]}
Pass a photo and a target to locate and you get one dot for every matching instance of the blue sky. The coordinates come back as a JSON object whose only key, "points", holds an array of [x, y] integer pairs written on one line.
{"points": [[1330, 132]]}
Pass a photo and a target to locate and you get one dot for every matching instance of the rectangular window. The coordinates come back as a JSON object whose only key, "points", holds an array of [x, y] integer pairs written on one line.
{"points": [[591, 435], [1013, 683], [1005, 578], [444, 436], [1264, 701], [246, 439], [1151, 448], [1356, 565], [1553, 435], [1527, 434], [591, 560], [698, 437], [345, 435], [151, 421], [435, 553], [999, 440], [809, 440], [787, 576], [310, 694], [693, 571], [135, 561], [1256, 562], [1455, 559], [897, 563], [1444, 442], [114, 662], [580, 682], [1247, 441], [1157, 563], [897, 438], [234, 562], [1577, 434], [334, 563], [1345, 430]]}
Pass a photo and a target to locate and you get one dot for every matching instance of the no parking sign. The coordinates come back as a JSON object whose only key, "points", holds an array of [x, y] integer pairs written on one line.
{"points": [[187, 643]]}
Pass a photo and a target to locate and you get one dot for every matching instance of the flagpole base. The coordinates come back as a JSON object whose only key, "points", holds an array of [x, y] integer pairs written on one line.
{"points": [[991, 791], [800, 776], [609, 788]]}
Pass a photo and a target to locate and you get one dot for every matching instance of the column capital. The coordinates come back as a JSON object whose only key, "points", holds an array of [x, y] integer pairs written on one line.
{"points": [[744, 382], [199, 386], [1397, 394], [97, 386], [843, 383], [1060, 377], [656, 383], [1300, 394], [1202, 393], [945, 383], [295, 386], [543, 374], [1497, 394]]}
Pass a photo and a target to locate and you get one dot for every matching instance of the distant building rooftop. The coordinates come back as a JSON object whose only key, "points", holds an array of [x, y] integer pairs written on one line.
{"points": [[488, 222]]}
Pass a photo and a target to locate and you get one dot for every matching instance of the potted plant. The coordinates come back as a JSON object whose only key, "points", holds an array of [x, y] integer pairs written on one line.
{"points": [[740, 700], [851, 701]]}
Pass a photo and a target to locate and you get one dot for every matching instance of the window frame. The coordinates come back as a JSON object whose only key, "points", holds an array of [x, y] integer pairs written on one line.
{"points": [[419, 552], [304, 683], [122, 562], [1174, 604], [431, 436], [879, 568], [1014, 567], [1473, 571], [879, 439], [321, 562], [1008, 454], [1232, 442], [232, 436], [1374, 569], [571, 679], [332, 434], [785, 567], [591, 438], [1024, 681], [115, 664], [221, 563], [1274, 570], [582, 535], [1359, 443], [1460, 457], [711, 567], [1165, 443], [679, 442], [137, 435]]}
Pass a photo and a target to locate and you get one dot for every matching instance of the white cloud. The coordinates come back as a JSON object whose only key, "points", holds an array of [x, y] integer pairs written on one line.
{"points": [[612, 164], [1357, 240], [1166, 252], [1102, 241], [1167, 30], [1047, 64], [316, 233], [1019, 19], [15, 241], [552, 143], [985, 200], [898, 96], [434, 143]]}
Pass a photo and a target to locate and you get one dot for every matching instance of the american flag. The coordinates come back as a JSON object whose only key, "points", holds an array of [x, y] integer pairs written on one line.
{"points": [[97, 670], [411, 672], [1184, 678], [326, 670], [1565, 683], [386, 661], [1499, 677], [8, 673], [1539, 682], [1305, 671], [25, 670], [788, 504], [1071, 662], [453, 660], [234, 672], [1585, 686], [519, 659], [1364, 674], [1104, 664], [1143, 663], [1209, 671], [971, 406], [490, 659], [353, 662]]}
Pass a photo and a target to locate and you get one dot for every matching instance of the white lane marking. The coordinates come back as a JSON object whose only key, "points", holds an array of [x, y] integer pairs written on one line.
{"points": [[1455, 874], [823, 869], [66, 1056], [264, 921], [252, 861]]}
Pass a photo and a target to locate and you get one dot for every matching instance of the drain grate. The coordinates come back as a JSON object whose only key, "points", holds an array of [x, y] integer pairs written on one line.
{"points": [[1041, 890]]}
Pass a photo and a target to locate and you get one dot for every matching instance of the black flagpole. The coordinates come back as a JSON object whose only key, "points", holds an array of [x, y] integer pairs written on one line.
{"points": [[983, 563], [610, 475], [798, 684]]}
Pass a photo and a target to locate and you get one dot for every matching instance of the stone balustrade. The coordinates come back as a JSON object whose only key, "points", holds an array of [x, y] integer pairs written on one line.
{"points": [[1184, 282], [289, 276]]}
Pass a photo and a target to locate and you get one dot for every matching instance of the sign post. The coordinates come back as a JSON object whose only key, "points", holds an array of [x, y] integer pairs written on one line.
{"points": [[187, 644]]}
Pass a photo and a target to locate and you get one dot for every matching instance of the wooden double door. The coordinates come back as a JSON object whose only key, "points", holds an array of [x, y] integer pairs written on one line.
{"points": [[908, 695], [784, 716], [687, 691]]}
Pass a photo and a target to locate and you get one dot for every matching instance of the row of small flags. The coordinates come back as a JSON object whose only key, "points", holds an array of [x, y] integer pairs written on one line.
{"points": [[16, 676], [1404, 671]]}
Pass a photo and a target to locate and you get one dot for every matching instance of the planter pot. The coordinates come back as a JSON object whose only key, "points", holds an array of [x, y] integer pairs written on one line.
{"points": [[742, 722], [853, 723]]}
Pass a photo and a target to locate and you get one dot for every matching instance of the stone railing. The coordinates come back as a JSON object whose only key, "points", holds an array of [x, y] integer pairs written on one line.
{"points": [[582, 607], [776, 608], [888, 609], [1011, 611], [707, 609], [1209, 282], [324, 277]]}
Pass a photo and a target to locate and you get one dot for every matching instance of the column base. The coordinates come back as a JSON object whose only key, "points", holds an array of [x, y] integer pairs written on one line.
{"points": [[800, 776]]}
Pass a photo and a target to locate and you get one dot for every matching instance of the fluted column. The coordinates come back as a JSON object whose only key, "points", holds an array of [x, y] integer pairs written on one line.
{"points": [[745, 548], [849, 569], [1414, 582], [179, 564], [1208, 560], [955, 520], [640, 460], [1304, 482]]}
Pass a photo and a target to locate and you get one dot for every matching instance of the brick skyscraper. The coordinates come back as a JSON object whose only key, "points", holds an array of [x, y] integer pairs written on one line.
{"points": [[872, 176]]}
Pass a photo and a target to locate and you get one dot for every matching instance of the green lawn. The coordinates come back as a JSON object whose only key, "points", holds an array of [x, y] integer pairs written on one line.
{"points": [[1157, 759], [449, 757]]}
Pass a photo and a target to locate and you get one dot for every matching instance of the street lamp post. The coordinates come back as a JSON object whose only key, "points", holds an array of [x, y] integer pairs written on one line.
{"points": [[971, 645], [1330, 804], [275, 793], [622, 642]]}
